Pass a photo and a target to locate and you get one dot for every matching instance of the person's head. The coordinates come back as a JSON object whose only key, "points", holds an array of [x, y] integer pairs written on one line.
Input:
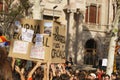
{"points": [[106, 77], [92, 76], [70, 58], [100, 70], [3, 54], [113, 76], [64, 77]]}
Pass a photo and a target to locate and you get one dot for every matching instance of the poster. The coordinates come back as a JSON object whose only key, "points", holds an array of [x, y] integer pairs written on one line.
{"points": [[104, 62], [20, 47], [39, 40], [27, 34], [37, 52], [48, 27]]}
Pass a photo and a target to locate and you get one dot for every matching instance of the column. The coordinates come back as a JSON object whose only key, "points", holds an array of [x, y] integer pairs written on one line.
{"points": [[97, 17], [88, 13], [37, 10]]}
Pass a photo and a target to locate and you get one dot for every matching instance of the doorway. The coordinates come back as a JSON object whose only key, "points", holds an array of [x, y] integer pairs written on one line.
{"points": [[90, 56]]}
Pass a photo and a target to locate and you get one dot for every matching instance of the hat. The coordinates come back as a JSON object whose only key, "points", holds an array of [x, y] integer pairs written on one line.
{"points": [[93, 75]]}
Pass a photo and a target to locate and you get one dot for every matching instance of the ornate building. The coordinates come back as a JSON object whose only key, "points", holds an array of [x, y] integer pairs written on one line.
{"points": [[88, 24]]}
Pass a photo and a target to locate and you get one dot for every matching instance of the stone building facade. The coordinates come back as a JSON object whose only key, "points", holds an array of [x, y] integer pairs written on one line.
{"points": [[88, 25]]}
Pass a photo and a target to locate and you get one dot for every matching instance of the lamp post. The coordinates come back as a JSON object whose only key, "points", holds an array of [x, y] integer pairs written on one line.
{"points": [[54, 10]]}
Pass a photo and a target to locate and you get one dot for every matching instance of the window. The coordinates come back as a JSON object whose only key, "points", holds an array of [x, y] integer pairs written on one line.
{"points": [[92, 14]]}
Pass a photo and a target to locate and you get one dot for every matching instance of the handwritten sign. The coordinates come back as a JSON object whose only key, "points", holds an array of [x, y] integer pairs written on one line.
{"points": [[20, 47], [37, 52], [58, 49], [36, 25]]}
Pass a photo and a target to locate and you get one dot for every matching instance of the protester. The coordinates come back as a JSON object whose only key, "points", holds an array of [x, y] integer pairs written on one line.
{"points": [[92, 76], [106, 77], [114, 76], [100, 72], [30, 74], [5, 67]]}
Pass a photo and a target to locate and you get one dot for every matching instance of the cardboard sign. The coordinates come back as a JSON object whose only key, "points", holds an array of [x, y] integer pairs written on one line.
{"points": [[44, 55], [47, 48], [58, 48], [30, 24]]}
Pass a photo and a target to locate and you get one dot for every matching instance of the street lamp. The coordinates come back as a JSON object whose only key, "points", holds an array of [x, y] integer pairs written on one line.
{"points": [[54, 10]]}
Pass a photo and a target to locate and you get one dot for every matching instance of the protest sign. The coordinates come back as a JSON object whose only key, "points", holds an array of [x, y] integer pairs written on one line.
{"points": [[30, 24], [46, 48], [26, 54], [58, 47]]}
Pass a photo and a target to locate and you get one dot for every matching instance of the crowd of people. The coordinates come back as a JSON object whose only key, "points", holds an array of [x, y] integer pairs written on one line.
{"points": [[17, 69]]}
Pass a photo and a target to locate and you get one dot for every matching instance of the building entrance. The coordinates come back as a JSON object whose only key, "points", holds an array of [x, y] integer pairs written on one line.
{"points": [[90, 56]]}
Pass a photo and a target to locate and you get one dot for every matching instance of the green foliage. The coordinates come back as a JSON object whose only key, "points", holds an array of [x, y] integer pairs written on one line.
{"points": [[11, 14]]}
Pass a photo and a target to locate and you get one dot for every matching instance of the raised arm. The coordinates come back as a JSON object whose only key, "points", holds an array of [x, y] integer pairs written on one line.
{"points": [[33, 70], [20, 72]]}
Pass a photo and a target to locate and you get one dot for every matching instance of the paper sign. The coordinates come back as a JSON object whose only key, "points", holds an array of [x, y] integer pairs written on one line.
{"points": [[20, 47], [27, 34], [39, 40], [104, 62], [37, 52]]}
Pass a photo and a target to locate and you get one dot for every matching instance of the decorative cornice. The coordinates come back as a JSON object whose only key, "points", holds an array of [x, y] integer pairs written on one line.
{"points": [[50, 12]]}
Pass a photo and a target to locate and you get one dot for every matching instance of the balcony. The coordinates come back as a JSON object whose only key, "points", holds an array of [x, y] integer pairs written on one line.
{"points": [[95, 27]]}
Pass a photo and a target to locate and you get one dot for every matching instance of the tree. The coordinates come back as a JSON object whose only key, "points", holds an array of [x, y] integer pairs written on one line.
{"points": [[111, 53], [10, 11]]}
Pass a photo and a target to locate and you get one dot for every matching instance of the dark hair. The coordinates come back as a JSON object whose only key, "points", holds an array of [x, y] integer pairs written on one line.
{"points": [[114, 74], [5, 67], [1, 33], [64, 77], [55, 78], [106, 75], [3, 54]]}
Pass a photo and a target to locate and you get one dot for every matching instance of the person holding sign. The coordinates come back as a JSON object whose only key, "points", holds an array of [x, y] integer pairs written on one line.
{"points": [[5, 67]]}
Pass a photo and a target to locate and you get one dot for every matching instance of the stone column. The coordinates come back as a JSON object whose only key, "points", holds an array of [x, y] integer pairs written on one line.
{"points": [[88, 12], [97, 17], [37, 10]]}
